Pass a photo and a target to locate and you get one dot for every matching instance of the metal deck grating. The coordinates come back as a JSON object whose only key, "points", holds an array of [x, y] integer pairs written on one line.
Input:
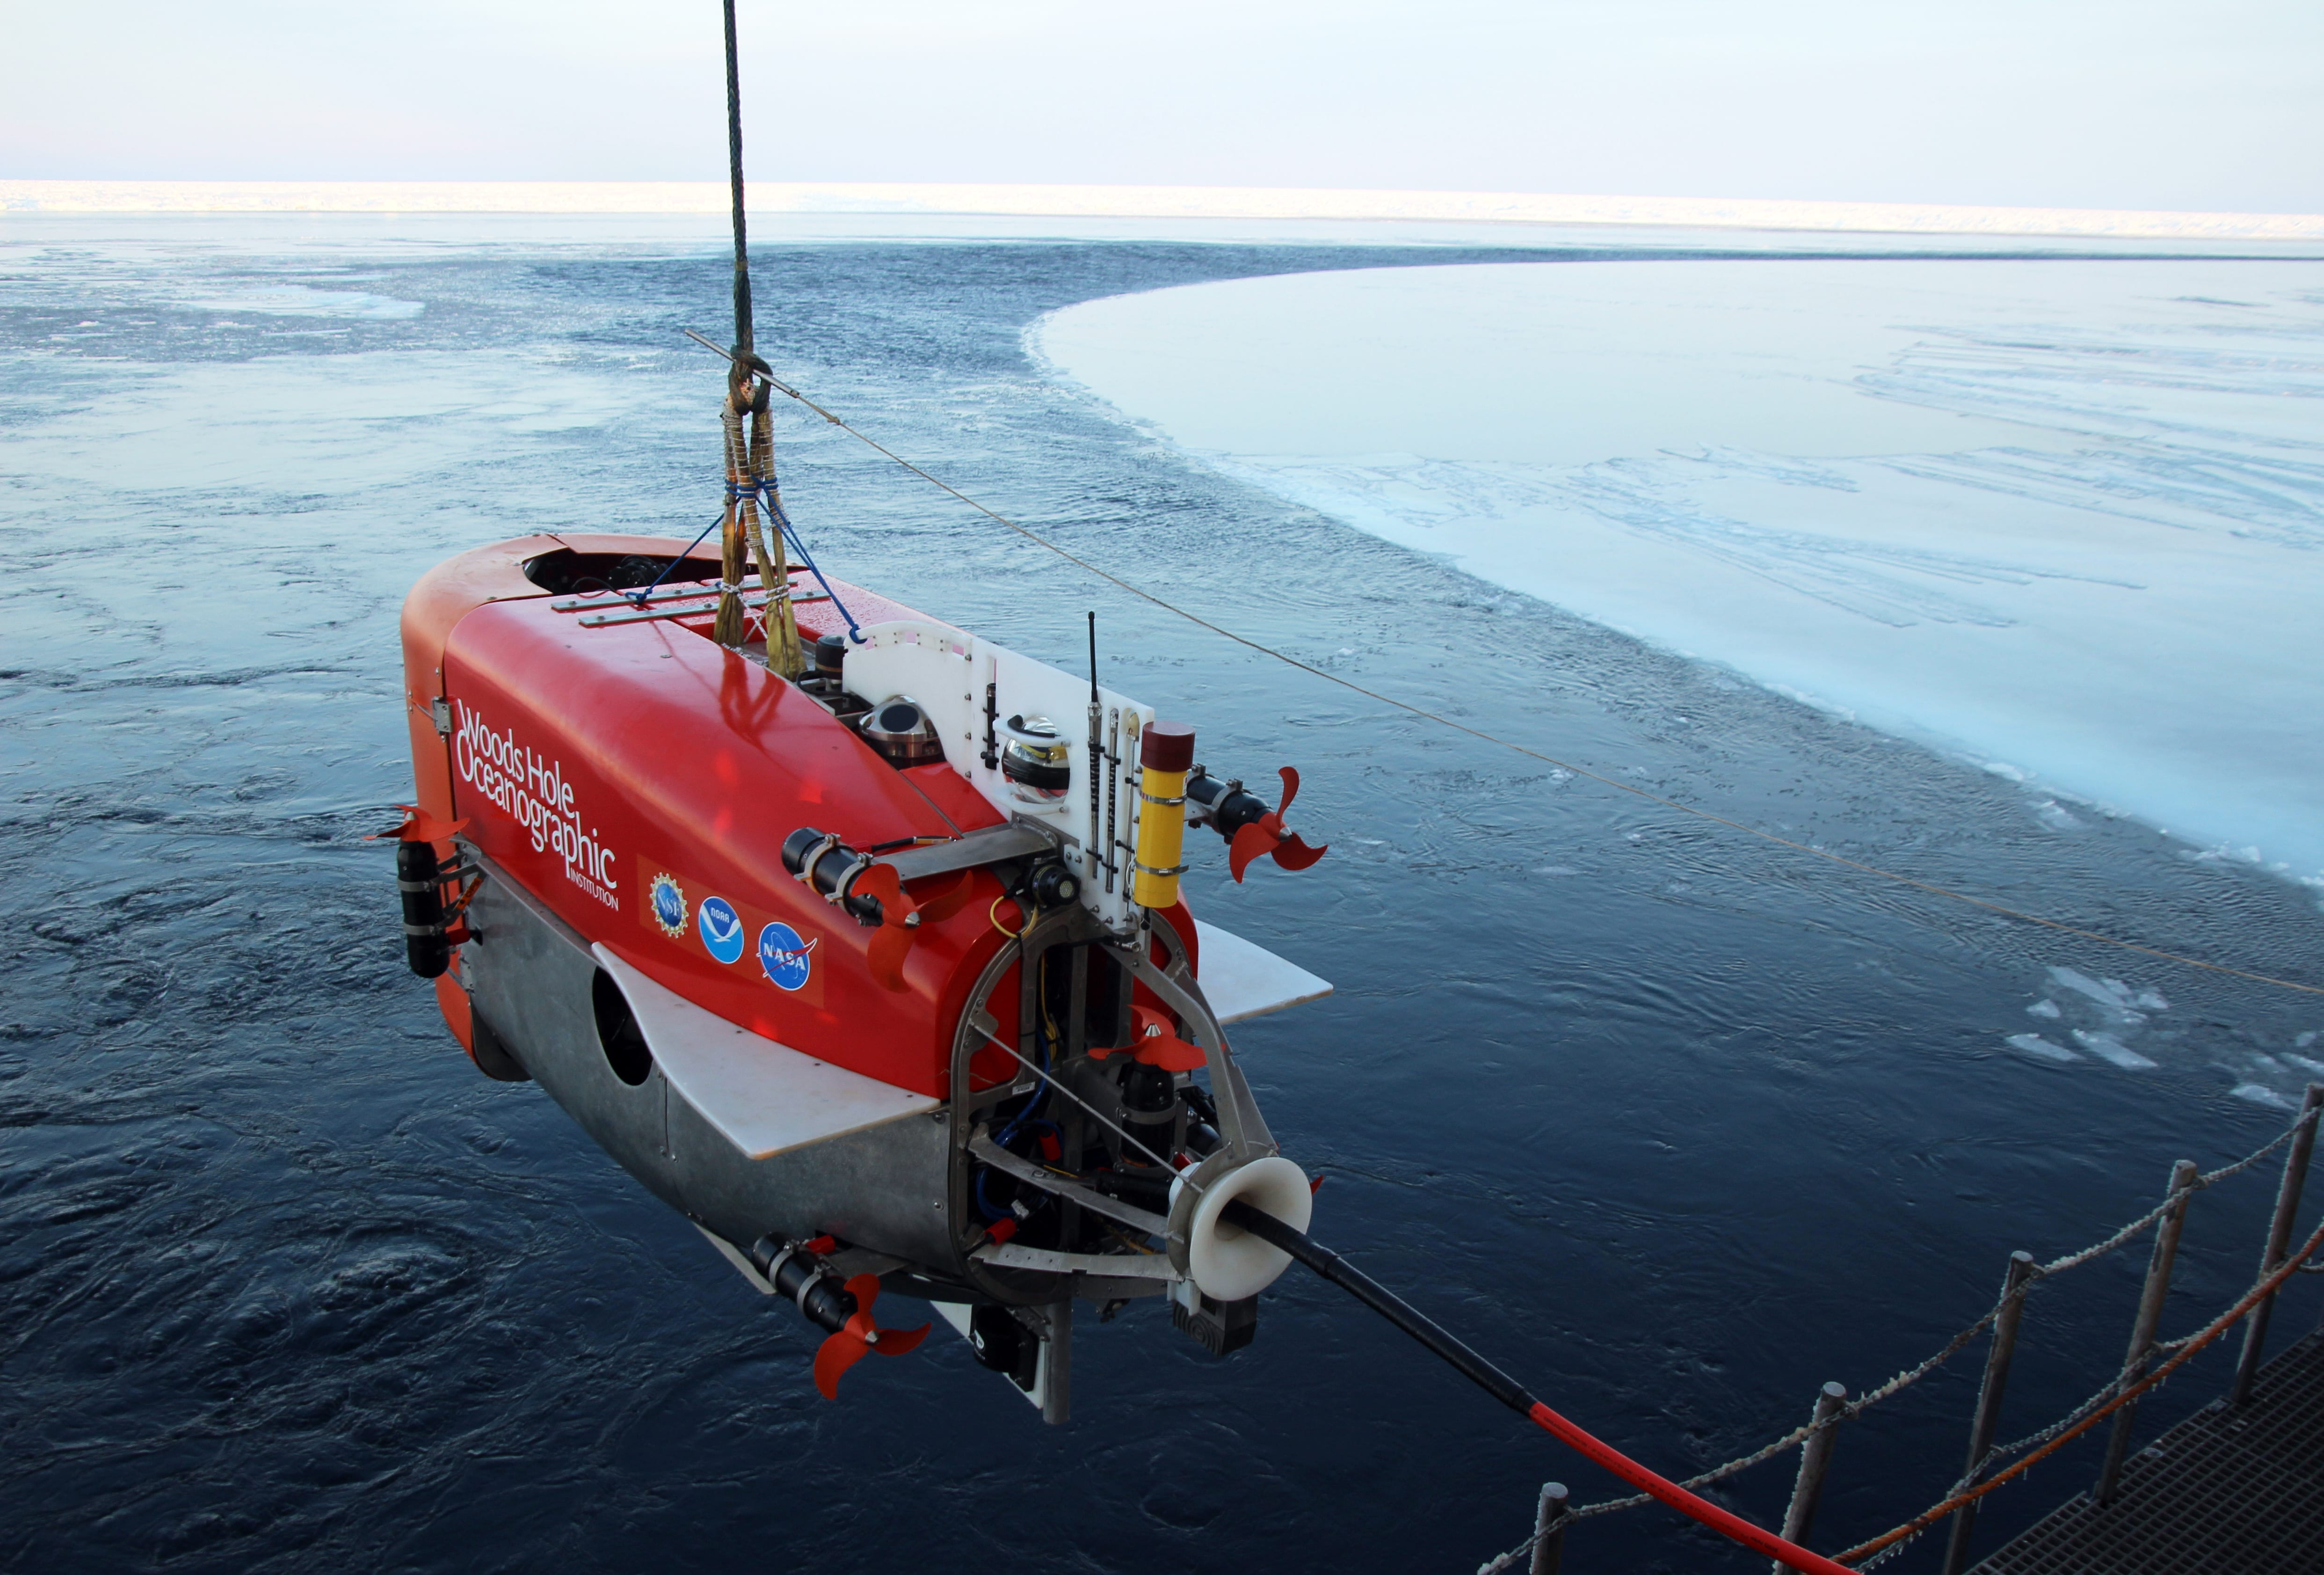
{"points": [[2223, 1493]]}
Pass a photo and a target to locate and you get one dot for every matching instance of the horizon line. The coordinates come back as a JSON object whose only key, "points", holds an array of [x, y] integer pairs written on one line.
{"points": [[71, 197]]}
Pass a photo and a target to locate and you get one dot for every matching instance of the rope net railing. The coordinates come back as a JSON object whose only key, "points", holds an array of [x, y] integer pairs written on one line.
{"points": [[2060, 1434], [2125, 1386]]}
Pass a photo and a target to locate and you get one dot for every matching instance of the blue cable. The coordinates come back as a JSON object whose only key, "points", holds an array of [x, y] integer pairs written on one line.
{"points": [[638, 598], [790, 533]]}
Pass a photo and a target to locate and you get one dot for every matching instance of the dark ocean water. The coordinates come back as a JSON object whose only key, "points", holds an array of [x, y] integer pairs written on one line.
{"points": [[1673, 1123]]}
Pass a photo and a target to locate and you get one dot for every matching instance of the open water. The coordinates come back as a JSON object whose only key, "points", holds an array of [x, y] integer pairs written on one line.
{"points": [[1673, 1123]]}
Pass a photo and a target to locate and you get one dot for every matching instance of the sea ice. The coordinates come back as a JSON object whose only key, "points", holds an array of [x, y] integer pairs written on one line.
{"points": [[2107, 1047], [2060, 513], [2112, 996], [2034, 1045]]}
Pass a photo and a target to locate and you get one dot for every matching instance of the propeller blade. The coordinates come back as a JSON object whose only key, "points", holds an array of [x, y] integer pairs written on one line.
{"points": [[1156, 1045], [1249, 844], [889, 947], [892, 1342], [1292, 853], [897, 1342], [1172, 1054], [834, 1357], [949, 900], [900, 917], [420, 826], [1290, 787], [866, 1289], [881, 882]]}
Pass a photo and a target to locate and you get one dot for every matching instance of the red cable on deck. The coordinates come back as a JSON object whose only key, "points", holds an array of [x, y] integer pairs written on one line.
{"points": [[1687, 1504]]}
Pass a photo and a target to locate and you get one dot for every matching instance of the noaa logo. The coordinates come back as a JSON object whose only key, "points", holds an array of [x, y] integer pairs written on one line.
{"points": [[720, 928], [666, 901], [784, 956]]}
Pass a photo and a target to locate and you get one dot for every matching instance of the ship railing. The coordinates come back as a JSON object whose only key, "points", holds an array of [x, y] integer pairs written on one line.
{"points": [[2147, 1363]]}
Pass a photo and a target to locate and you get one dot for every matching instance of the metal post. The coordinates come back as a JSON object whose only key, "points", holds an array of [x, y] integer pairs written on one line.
{"points": [[1549, 1530], [1815, 1461], [2279, 1241], [1057, 1403], [1989, 1399], [2149, 1316]]}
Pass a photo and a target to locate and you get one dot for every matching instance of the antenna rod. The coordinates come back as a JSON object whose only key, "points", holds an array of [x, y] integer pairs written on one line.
{"points": [[734, 174], [1091, 763]]}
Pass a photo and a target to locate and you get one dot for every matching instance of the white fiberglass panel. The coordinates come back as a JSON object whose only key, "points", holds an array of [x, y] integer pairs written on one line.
{"points": [[1242, 980], [948, 673], [763, 1097]]}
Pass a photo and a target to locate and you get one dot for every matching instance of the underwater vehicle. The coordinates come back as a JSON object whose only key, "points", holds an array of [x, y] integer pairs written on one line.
{"points": [[878, 970], [856, 937]]}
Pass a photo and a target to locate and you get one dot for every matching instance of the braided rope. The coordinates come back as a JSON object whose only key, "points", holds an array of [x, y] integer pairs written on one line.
{"points": [[779, 622], [726, 628]]}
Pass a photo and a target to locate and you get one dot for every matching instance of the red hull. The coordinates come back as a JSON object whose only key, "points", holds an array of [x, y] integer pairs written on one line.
{"points": [[592, 762]]}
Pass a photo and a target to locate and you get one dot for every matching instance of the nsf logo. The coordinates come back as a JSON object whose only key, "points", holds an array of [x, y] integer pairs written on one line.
{"points": [[666, 901], [785, 956]]}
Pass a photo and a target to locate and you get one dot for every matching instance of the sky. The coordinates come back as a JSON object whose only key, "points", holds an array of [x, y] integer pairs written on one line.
{"points": [[2129, 104]]}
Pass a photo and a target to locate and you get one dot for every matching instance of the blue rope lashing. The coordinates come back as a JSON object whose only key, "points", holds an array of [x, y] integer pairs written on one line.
{"points": [[638, 598], [790, 534]]}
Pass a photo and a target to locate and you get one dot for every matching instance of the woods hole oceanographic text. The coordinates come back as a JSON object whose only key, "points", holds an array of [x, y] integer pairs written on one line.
{"points": [[531, 789]]}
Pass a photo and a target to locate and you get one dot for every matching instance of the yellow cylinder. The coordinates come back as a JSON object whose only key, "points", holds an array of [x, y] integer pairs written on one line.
{"points": [[1165, 753]]}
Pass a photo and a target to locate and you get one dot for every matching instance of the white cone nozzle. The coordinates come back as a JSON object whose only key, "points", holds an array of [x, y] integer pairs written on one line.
{"points": [[1227, 1264]]}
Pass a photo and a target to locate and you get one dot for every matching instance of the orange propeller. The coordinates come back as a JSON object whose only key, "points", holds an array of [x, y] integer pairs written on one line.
{"points": [[420, 826], [901, 916], [1266, 835], [858, 1336], [1154, 1042]]}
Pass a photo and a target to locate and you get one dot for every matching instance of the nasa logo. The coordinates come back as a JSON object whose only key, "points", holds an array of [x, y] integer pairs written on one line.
{"points": [[784, 956], [720, 927], [666, 901]]}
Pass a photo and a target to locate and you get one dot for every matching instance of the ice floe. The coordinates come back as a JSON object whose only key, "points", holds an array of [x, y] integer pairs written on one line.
{"points": [[2034, 1045], [2107, 1047], [2064, 513]]}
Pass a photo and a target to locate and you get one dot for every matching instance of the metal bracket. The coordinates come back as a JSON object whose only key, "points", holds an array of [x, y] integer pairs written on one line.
{"points": [[992, 845], [1128, 1266], [1096, 1202], [650, 614]]}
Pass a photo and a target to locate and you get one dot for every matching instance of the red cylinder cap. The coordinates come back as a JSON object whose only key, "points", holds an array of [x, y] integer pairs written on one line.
{"points": [[1166, 747]]}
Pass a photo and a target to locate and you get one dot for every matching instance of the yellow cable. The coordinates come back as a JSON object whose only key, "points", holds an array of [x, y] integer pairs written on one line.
{"points": [[993, 913]]}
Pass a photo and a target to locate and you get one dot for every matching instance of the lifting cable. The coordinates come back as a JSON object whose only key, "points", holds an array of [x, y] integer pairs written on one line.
{"points": [[1441, 720]]}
